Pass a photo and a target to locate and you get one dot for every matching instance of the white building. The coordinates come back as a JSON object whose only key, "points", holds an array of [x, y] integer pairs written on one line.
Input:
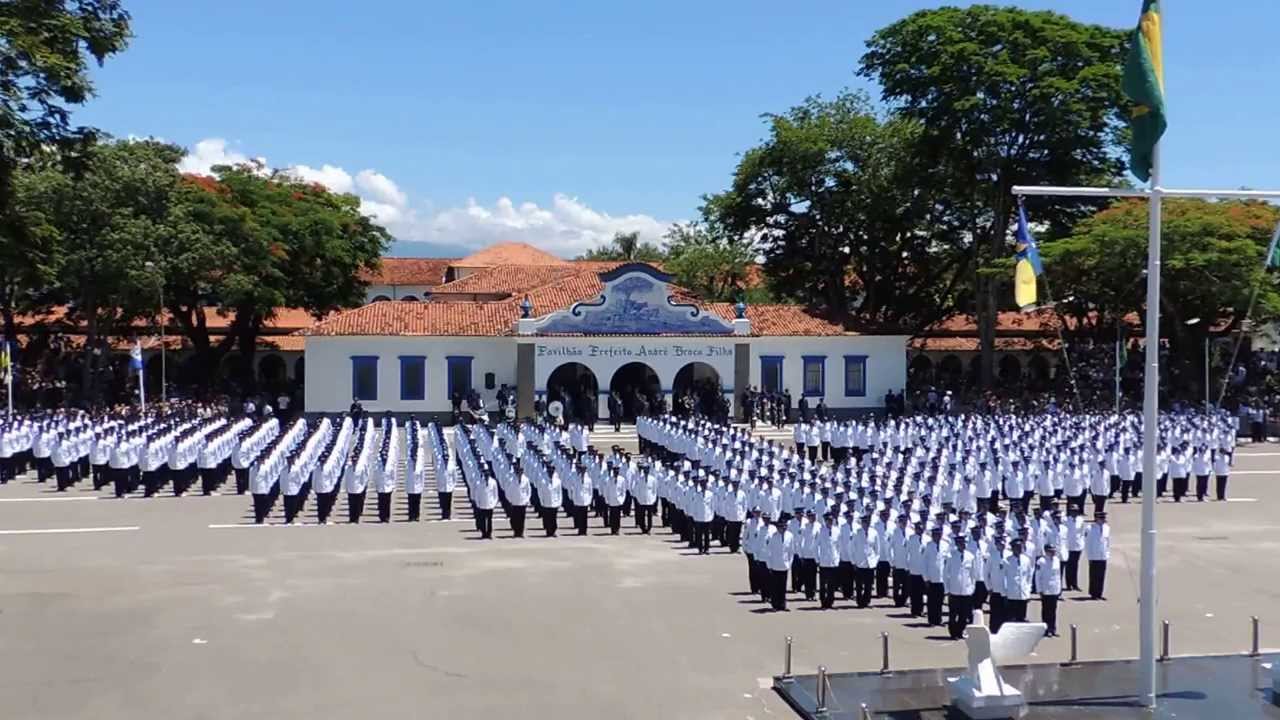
{"points": [[555, 327]]}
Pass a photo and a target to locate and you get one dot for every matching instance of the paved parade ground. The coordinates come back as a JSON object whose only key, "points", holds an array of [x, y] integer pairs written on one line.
{"points": [[181, 608]]}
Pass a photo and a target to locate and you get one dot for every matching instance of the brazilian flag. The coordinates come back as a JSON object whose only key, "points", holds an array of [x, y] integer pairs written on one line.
{"points": [[1143, 84]]}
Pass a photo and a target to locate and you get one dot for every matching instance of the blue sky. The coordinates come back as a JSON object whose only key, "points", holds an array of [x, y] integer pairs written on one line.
{"points": [[463, 123]]}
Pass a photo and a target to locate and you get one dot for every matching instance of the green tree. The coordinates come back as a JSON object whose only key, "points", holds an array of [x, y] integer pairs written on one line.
{"points": [[713, 265], [847, 218], [101, 224], [1005, 96], [45, 50], [295, 245], [1212, 256], [625, 247]]}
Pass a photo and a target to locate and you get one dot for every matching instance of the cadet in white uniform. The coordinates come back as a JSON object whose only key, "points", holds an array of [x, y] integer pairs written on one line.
{"points": [[1049, 581], [1097, 550]]}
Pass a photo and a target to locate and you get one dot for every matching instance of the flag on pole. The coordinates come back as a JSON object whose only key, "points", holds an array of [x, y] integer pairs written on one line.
{"points": [[6, 362], [1143, 84], [1026, 264], [135, 362], [6, 371], [1273, 250]]}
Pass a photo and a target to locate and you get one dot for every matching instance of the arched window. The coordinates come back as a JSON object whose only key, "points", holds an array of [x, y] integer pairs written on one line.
{"points": [[380, 298]]}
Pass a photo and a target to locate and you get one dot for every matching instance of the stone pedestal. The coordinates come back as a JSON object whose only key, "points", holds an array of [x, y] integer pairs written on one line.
{"points": [[973, 703]]}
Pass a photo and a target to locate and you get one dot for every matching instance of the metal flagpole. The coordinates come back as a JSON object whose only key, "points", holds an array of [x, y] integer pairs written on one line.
{"points": [[1150, 427], [1119, 332], [8, 371], [1253, 298]]}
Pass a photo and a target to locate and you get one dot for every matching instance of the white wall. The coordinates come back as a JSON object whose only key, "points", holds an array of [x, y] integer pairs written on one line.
{"points": [[328, 361], [886, 366], [395, 292], [328, 382]]}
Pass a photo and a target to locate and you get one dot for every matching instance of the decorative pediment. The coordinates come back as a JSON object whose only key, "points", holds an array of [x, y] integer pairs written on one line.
{"points": [[636, 300]]}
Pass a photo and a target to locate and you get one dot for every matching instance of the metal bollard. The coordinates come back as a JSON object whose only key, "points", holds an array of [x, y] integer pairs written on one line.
{"points": [[786, 662], [822, 690], [884, 653], [1164, 642], [866, 713], [1257, 636], [1075, 657]]}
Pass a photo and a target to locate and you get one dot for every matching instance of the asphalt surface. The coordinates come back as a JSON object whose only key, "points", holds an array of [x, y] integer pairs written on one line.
{"points": [[181, 608]]}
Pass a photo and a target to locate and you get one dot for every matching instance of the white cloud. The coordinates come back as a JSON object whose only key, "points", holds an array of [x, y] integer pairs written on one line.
{"points": [[567, 226], [334, 178], [209, 152], [381, 188]]}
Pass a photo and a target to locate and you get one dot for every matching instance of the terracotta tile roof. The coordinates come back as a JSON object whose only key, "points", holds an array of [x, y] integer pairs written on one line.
{"points": [[474, 319], [284, 320], [175, 343], [781, 320], [512, 279], [970, 344], [409, 271], [511, 253]]}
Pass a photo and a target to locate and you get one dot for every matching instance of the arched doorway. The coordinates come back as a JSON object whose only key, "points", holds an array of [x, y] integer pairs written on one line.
{"points": [[701, 382], [232, 367], [380, 298], [639, 387], [921, 371], [271, 370], [576, 387], [1038, 367], [300, 370], [1010, 369], [950, 371], [409, 298]]}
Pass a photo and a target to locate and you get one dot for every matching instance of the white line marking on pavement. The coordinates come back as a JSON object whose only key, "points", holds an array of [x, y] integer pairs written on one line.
{"points": [[62, 531], [1255, 472], [1242, 499], [764, 683], [49, 499]]}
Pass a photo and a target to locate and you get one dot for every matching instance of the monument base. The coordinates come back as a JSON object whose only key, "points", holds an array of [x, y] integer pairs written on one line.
{"points": [[1223, 686], [977, 705]]}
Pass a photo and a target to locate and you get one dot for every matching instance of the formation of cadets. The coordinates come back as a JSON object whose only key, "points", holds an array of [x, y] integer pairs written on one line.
{"points": [[961, 511], [965, 511]]}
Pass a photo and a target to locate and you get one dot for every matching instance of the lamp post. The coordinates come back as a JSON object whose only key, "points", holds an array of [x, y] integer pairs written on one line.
{"points": [[1194, 321], [164, 370]]}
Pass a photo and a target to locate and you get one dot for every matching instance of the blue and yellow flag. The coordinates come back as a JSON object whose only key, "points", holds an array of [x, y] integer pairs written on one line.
{"points": [[1143, 84], [1026, 264]]}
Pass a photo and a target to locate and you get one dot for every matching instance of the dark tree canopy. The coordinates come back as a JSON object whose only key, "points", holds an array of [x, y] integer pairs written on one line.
{"points": [[1005, 96], [625, 247], [848, 220]]}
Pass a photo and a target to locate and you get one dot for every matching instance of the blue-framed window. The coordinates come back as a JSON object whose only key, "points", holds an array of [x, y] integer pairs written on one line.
{"points": [[771, 373], [413, 377], [815, 375], [459, 374], [855, 375], [364, 377]]}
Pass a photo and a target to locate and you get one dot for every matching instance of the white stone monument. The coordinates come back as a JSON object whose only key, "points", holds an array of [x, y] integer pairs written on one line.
{"points": [[983, 694]]}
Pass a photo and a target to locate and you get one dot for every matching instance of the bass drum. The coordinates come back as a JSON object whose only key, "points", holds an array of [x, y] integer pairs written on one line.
{"points": [[555, 409], [511, 413]]}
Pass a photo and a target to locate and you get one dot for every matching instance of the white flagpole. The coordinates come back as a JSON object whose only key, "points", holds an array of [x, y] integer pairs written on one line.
{"points": [[1147, 593], [8, 372], [142, 386], [1253, 298], [1117, 362]]}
